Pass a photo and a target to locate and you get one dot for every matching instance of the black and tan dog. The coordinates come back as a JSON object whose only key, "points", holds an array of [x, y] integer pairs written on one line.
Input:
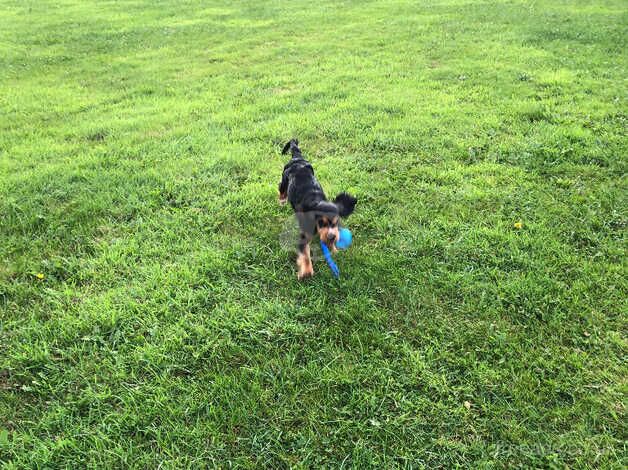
{"points": [[314, 212]]}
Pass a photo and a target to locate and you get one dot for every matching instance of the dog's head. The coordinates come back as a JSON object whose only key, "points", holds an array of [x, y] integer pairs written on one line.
{"points": [[328, 215]]}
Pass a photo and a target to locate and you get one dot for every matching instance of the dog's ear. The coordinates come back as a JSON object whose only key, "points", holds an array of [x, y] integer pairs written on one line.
{"points": [[345, 204]]}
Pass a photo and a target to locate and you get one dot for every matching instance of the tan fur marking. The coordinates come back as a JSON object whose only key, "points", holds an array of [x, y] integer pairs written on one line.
{"points": [[304, 263]]}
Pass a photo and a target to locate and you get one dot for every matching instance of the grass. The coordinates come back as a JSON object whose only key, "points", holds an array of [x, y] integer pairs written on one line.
{"points": [[149, 317]]}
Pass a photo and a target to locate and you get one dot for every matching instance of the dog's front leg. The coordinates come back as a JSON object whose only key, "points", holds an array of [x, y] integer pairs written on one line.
{"points": [[304, 261]]}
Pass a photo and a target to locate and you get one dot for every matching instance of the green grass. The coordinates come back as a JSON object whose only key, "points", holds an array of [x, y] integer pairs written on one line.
{"points": [[139, 163]]}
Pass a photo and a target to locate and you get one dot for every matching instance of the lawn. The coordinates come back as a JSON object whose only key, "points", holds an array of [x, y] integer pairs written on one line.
{"points": [[149, 316]]}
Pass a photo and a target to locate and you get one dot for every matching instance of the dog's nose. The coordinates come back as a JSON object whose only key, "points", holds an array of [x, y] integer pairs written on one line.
{"points": [[331, 237]]}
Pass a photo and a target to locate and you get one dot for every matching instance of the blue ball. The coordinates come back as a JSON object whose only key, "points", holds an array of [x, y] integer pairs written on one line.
{"points": [[344, 239]]}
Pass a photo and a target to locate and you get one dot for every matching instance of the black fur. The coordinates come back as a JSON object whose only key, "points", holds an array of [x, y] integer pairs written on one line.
{"points": [[345, 203], [314, 212], [293, 144], [303, 190]]}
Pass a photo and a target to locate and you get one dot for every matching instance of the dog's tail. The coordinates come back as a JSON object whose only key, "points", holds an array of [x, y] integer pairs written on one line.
{"points": [[293, 147]]}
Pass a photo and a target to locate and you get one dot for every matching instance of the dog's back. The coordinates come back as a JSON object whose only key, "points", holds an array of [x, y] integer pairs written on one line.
{"points": [[303, 190]]}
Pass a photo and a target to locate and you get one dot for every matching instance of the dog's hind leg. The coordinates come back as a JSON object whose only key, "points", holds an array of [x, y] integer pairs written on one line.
{"points": [[283, 190]]}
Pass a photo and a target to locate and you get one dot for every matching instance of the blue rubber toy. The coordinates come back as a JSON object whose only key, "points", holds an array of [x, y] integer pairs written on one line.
{"points": [[344, 241], [330, 261]]}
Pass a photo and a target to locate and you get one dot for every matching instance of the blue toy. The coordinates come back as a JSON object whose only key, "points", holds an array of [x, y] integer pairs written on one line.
{"points": [[334, 269], [344, 241]]}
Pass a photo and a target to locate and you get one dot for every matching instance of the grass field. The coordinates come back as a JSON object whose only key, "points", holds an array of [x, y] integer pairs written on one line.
{"points": [[149, 317]]}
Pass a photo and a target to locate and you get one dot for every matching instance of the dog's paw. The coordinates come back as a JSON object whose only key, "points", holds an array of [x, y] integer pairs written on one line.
{"points": [[282, 202], [306, 272], [283, 198]]}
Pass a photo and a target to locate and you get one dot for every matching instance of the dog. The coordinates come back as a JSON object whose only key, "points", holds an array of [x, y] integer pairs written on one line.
{"points": [[316, 214]]}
